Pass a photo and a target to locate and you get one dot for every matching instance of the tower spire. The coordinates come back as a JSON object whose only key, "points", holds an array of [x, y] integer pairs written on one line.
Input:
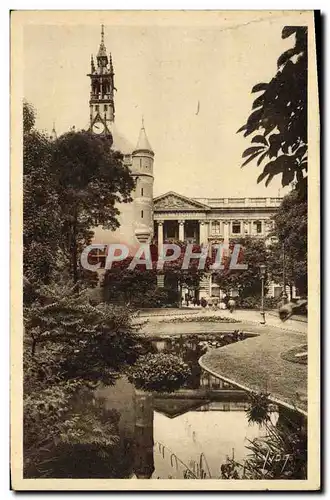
{"points": [[92, 64], [102, 53]]}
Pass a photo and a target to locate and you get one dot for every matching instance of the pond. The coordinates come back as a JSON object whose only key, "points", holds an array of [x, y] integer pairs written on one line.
{"points": [[186, 434]]}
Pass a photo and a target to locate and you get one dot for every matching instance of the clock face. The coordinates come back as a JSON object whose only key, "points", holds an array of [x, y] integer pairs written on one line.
{"points": [[98, 128]]}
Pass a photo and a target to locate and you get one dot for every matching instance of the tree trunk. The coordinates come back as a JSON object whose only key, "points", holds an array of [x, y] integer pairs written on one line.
{"points": [[74, 253]]}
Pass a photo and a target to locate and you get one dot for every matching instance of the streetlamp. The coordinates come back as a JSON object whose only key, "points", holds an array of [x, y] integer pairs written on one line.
{"points": [[262, 274], [283, 272]]}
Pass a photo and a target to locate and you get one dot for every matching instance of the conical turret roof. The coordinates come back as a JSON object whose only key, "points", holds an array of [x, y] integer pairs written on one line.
{"points": [[143, 143]]}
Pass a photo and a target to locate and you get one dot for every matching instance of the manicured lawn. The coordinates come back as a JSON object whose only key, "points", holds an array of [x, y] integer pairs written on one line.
{"points": [[257, 363]]}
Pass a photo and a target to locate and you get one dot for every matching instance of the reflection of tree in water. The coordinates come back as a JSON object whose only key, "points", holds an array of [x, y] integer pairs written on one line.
{"points": [[87, 461], [190, 350], [191, 347], [98, 452]]}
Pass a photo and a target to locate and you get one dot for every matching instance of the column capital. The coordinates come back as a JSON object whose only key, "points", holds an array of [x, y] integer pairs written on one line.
{"points": [[181, 222], [160, 222], [202, 222]]}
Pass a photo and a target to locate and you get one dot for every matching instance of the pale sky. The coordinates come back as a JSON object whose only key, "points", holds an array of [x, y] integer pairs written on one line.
{"points": [[161, 72]]}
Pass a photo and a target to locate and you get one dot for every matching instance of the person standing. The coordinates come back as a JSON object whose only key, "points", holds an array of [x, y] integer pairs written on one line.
{"points": [[231, 305]]}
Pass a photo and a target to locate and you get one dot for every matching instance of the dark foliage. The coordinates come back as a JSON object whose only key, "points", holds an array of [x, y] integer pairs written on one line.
{"points": [[279, 117]]}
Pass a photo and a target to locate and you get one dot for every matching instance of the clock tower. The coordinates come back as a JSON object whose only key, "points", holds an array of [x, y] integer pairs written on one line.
{"points": [[101, 103]]}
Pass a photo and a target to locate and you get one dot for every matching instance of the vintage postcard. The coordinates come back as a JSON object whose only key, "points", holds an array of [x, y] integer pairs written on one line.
{"points": [[164, 284]]}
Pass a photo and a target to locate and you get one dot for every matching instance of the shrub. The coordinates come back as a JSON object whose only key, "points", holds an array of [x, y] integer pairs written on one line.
{"points": [[159, 372], [254, 302]]}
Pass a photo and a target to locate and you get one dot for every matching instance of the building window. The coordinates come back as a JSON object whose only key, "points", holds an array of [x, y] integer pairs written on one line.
{"points": [[140, 162], [236, 228], [170, 229], [141, 214], [215, 227], [141, 191], [257, 227], [96, 107], [105, 107]]}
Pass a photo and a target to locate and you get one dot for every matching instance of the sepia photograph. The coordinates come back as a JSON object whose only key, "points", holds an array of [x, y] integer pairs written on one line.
{"points": [[164, 196]]}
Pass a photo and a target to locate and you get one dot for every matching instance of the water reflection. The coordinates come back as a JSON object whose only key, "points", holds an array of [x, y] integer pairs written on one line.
{"points": [[186, 434]]}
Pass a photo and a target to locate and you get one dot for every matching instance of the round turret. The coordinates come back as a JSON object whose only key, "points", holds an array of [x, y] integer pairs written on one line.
{"points": [[142, 170]]}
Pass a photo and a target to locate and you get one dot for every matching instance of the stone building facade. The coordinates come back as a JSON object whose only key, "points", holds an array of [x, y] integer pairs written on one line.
{"points": [[213, 221]]}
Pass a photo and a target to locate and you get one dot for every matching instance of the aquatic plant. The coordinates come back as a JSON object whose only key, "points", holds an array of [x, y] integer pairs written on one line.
{"points": [[259, 408]]}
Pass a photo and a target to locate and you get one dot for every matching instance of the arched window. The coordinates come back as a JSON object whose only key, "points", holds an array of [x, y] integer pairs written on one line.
{"points": [[141, 214]]}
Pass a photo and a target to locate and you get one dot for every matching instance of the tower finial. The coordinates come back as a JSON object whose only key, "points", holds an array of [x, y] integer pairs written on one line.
{"points": [[143, 144], [102, 53], [110, 63], [54, 134]]}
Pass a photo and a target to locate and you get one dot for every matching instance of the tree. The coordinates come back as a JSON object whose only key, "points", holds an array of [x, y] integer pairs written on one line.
{"points": [[41, 228], [291, 233], [253, 253], [279, 117], [69, 347], [92, 180], [131, 287], [92, 343]]}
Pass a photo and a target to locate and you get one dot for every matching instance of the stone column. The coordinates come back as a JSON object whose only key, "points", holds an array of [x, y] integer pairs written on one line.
{"points": [[263, 227], [250, 227], [160, 232], [222, 228], [226, 232], [201, 232], [206, 231], [181, 230]]}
